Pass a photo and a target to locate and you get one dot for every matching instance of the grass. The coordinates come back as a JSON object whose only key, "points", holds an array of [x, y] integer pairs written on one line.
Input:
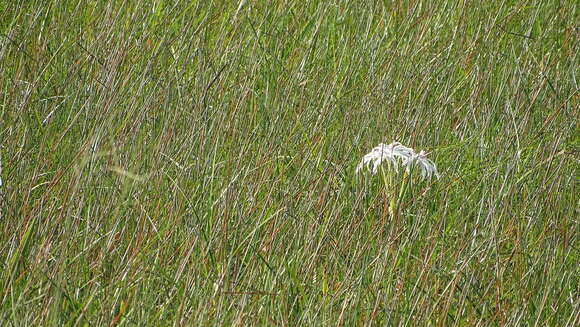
{"points": [[186, 163]]}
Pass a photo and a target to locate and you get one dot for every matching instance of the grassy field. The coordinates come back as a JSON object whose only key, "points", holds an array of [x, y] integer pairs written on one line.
{"points": [[193, 163]]}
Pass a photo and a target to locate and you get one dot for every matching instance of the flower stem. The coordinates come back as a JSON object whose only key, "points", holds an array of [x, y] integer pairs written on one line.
{"points": [[403, 189], [390, 191]]}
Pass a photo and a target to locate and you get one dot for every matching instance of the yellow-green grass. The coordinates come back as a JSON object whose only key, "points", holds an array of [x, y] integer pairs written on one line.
{"points": [[193, 163]]}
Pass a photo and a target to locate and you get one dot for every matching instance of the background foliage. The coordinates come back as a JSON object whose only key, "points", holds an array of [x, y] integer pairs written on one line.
{"points": [[192, 162]]}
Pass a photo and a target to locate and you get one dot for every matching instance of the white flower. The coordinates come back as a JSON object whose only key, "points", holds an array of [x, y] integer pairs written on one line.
{"points": [[393, 153], [427, 166]]}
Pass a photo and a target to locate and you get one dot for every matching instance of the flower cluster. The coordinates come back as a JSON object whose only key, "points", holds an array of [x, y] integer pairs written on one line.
{"points": [[394, 153]]}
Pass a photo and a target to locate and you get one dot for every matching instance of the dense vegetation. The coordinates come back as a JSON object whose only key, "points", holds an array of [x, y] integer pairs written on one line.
{"points": [[193, 163]]}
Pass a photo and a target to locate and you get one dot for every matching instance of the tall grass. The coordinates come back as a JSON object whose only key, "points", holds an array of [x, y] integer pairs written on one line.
{"points": [[189, 163]]}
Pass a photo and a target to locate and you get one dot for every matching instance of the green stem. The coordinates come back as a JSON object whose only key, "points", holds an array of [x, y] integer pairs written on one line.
{"points": [[390, 190], [395, 199], [403, 189]]}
